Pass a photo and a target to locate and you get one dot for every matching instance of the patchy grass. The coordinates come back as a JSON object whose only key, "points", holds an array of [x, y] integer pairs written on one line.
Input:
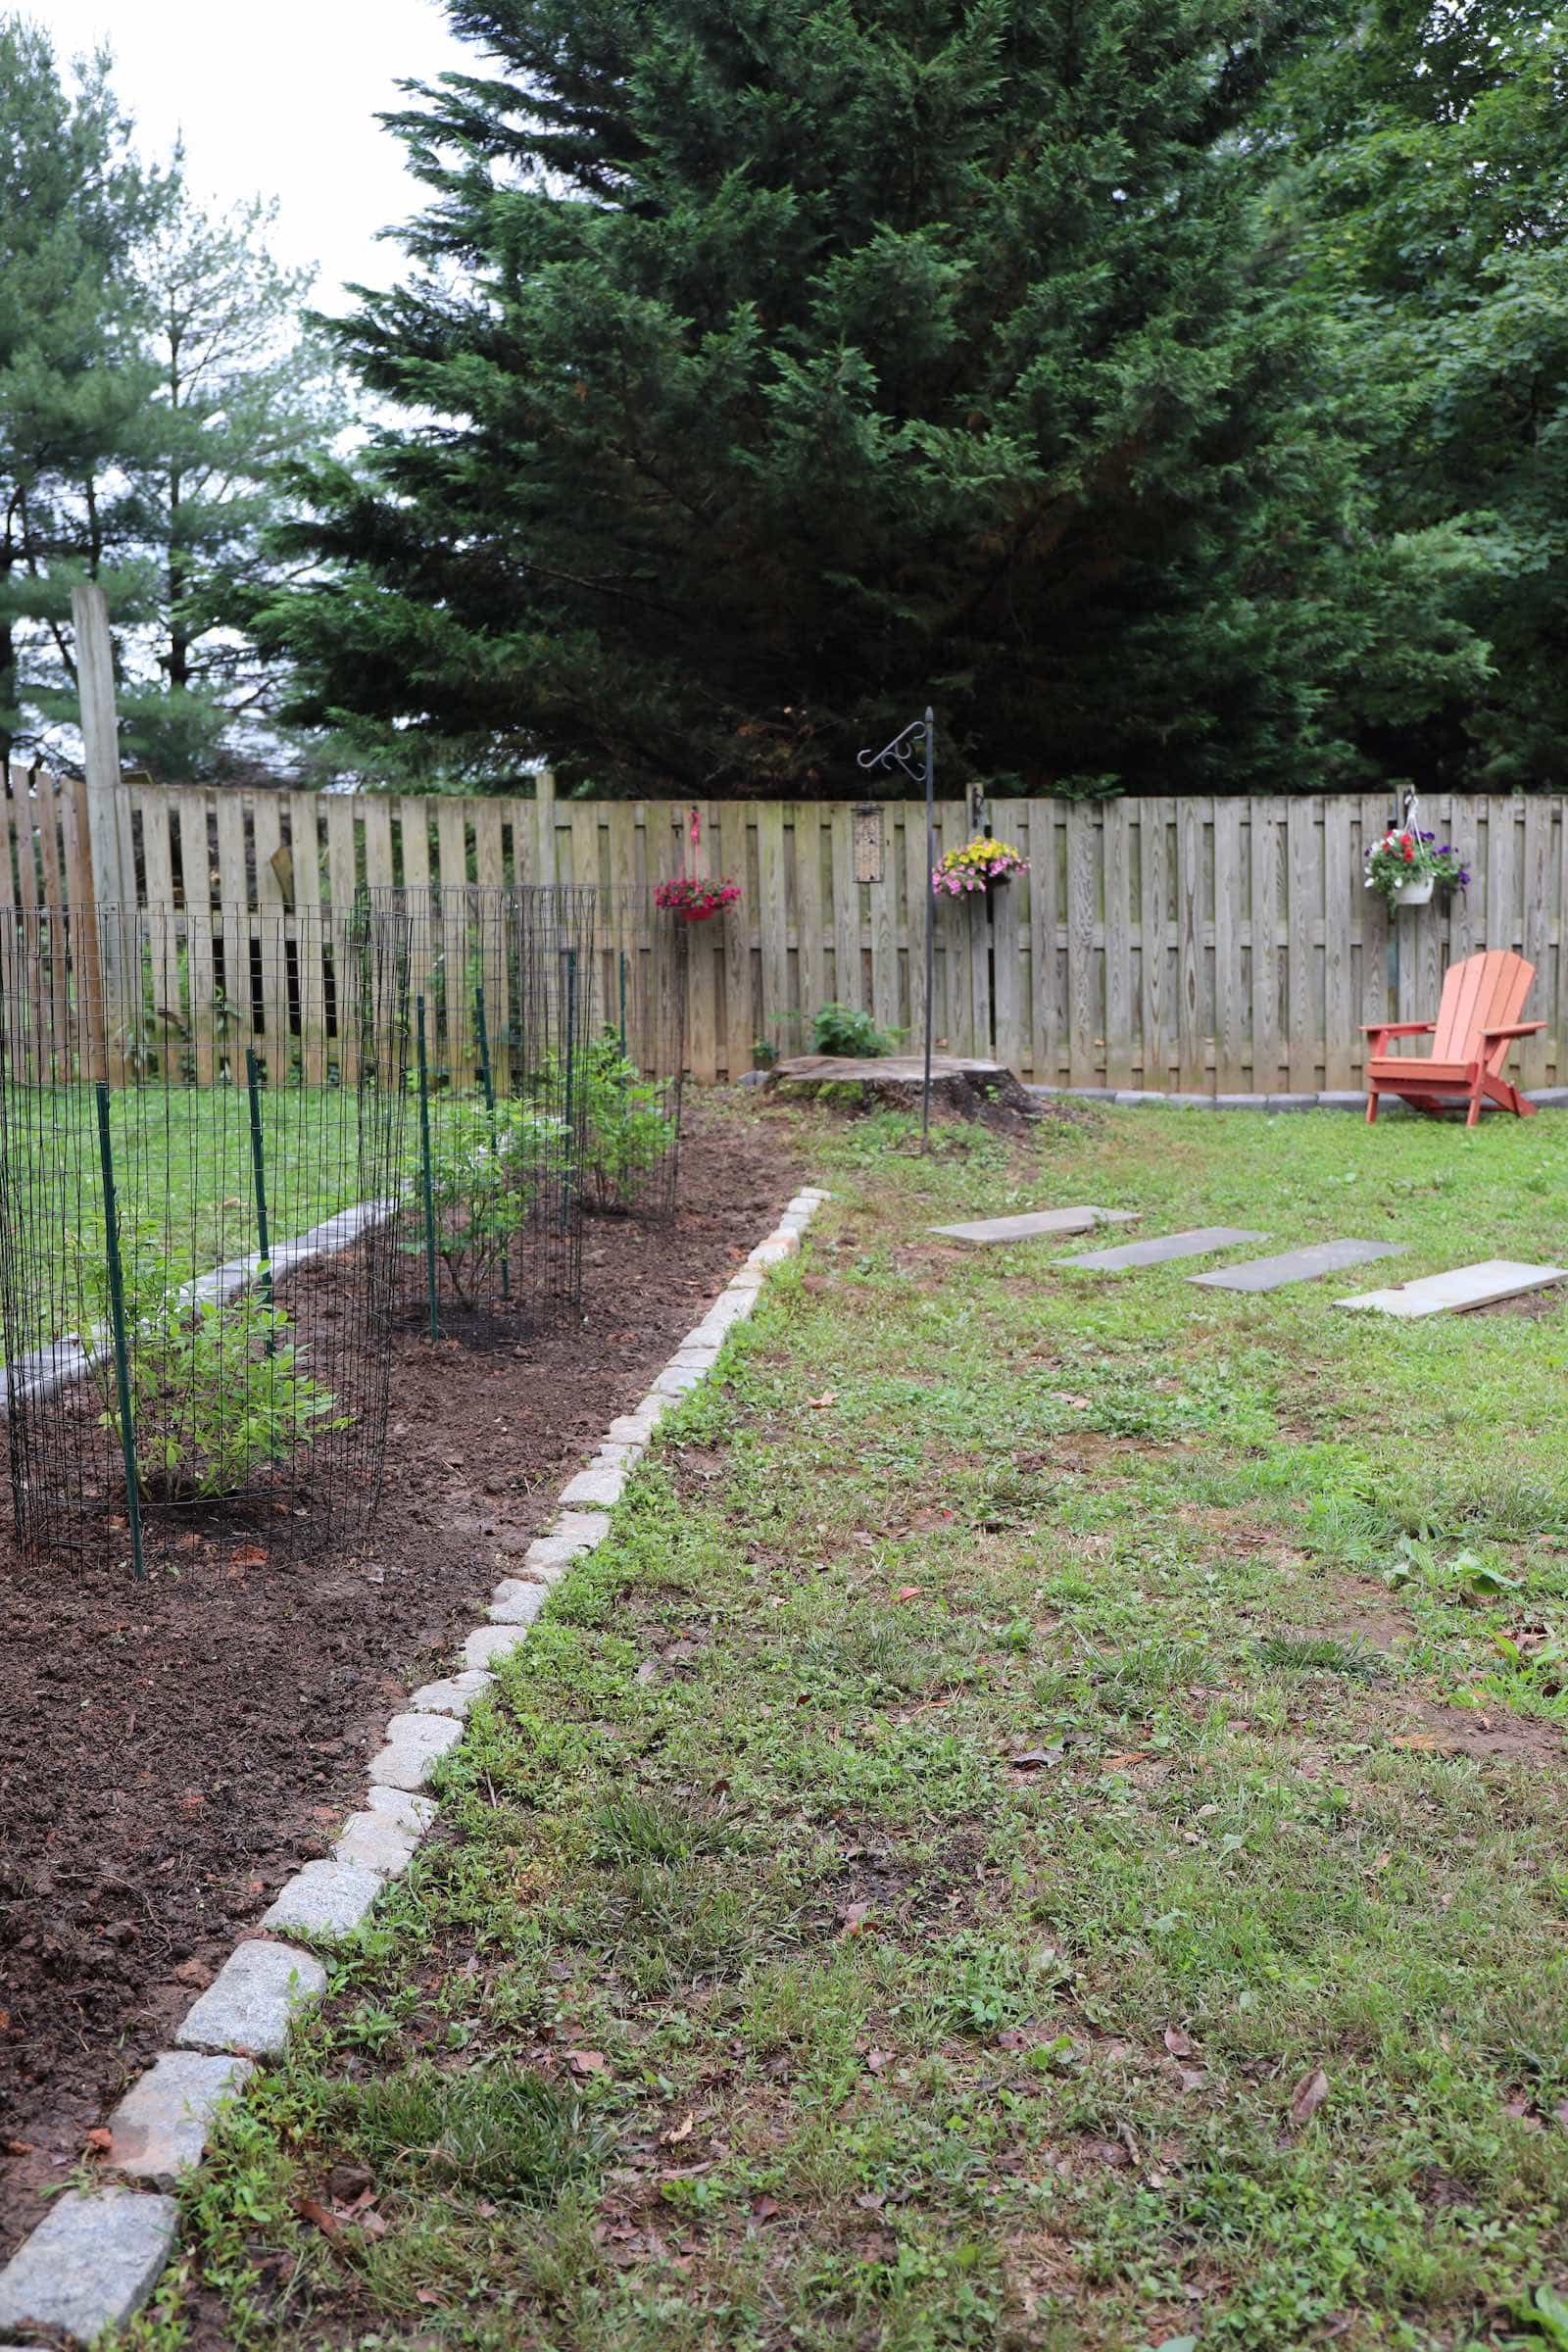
{"points": [[1044, 1828]]}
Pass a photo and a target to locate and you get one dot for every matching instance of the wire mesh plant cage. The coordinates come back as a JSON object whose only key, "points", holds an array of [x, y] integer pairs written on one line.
{"points": [[637, 1057], [499, 994], [200, 1142]]}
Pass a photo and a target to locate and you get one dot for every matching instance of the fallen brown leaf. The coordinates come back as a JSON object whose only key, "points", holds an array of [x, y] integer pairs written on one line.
{"points": [[312, 2210], [678, 2131], [588, 2062], [98, 2141], [820, 1404], [877, 2061], [1177, 2043], [1308, 2098]]}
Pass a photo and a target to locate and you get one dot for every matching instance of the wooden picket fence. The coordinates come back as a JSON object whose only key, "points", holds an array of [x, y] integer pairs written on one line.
{"points": [[1195, 945]]}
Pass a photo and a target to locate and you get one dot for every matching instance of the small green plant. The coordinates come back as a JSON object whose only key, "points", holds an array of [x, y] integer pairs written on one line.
{"points": [[627, 1125], [217, 1387], [487, 1167], [843, 1029]]}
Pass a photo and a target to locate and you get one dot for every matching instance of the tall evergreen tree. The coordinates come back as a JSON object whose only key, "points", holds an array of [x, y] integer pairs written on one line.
{"points": [[240, 392], [74, 205], [776, 367], [1425, 196]]}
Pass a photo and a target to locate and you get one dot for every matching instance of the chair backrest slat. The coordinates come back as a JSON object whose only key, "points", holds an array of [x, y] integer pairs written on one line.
{"points": [[1484, 992]]}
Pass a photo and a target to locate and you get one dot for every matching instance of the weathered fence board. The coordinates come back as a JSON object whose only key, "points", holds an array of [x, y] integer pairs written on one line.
{"points": [[1198, 945]]}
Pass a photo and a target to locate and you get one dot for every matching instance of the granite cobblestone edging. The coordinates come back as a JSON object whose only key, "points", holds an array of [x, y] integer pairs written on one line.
{"points": [[94, 2259], [1545, 1097]]}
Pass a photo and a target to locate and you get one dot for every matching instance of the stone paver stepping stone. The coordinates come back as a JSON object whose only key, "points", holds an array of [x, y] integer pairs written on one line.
{"points": [[1295, 1265], [1166, 1246], [1480, 1285], [1036, 1222]]}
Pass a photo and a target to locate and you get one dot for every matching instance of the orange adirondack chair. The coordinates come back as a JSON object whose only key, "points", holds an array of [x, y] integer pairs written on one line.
{"points": [[1476, 1022]]}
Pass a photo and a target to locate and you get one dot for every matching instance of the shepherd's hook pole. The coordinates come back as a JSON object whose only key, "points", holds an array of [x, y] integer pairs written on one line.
{"points": [[921, 734], [930, 918]]}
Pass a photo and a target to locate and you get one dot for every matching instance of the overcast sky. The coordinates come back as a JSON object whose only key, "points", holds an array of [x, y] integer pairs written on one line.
{"points": [[277, 98]]}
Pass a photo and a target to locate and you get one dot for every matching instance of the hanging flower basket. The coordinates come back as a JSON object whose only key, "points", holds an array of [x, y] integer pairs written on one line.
{"points": [[1406, 866], [977, 868], [695, 901]]}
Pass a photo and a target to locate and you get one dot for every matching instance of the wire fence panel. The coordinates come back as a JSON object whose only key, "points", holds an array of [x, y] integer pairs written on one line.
{"points": [[500, 997], [197, 1243], [637, 1056]]}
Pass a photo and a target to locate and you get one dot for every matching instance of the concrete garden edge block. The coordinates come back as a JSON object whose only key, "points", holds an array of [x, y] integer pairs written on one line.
{"points": [[775, 1250], [324, 1899], [513, 1602], [251, 2002], [413, 1743], [91, 2263], [416, 1813], [455, 1694], [488, 1643], [601, 1485], [679, 1380], [378, 1842], [158, 2129]]}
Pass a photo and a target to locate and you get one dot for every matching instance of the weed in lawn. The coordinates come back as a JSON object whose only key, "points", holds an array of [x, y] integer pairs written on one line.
{"points": [[1319, 1653], [496, 2129]]}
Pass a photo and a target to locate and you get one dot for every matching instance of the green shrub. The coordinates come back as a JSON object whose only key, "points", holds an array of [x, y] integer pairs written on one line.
{"points": [[628, 1131], [488, 1169], [217, 1388], [842, 1029]]}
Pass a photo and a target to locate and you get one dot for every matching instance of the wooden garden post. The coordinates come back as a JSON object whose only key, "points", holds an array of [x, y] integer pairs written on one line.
{"points": [[111, 848]]}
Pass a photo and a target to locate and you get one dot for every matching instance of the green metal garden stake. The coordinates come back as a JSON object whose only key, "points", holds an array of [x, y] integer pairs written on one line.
{"points": [[116, 1318], [424, 1171], [487, 1080], [264, 1242], [571, 1037]]}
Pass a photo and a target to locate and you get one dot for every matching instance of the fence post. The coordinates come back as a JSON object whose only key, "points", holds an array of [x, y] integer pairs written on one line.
{"points": [[111, 848]]}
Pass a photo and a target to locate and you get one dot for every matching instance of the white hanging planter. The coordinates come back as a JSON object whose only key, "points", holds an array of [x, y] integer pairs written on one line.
{"points": [[1417, 893]]}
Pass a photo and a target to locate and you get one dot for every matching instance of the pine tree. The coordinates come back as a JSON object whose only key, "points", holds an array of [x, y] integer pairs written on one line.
{"points": [[74, 205], [1424, 199], [240, 393], [774, 369]]}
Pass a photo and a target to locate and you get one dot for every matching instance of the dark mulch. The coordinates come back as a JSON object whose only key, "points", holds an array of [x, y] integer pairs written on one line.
{"points": [[169, 1753]]}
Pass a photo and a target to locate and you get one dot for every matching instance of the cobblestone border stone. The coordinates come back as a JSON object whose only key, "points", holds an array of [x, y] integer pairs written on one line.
{"points": [[94, 2259], [1546, 1098]]}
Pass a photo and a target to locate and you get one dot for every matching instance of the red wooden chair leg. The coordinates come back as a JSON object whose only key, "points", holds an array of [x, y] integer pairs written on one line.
{"points": [[1372, 1106]]}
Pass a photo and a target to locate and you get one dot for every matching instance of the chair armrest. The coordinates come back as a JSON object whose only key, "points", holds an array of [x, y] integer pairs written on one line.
{"points": [[1519, 1029], [1402, 1028]]}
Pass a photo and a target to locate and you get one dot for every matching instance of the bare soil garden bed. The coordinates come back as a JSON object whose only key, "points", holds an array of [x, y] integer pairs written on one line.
{"points": [[170, 1753]]}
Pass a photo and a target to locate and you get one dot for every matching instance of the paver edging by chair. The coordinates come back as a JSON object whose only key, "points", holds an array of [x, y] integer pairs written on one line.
{"points": [[1545, 1097]]}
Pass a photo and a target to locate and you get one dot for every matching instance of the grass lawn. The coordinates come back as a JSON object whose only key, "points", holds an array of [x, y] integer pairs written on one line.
{"points": [[1045, 1826], [183, 1161]]}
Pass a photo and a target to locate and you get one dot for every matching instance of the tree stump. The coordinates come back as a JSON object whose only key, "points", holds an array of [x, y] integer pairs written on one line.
{"points": [[959, 1087]]}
